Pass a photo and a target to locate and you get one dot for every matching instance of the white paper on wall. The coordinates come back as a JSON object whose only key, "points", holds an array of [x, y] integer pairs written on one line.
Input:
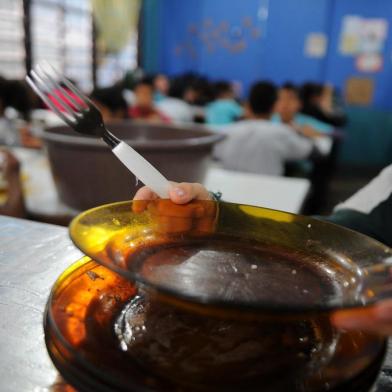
{"points": [[316, 45], [362, 35], [350, 36]]}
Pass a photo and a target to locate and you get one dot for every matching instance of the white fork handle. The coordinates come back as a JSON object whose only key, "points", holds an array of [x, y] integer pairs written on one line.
{"points": [[142, 169]]}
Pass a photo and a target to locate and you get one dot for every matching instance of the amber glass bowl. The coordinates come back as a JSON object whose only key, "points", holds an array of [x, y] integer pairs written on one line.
{"points": [[236, 256], [215, 297]]}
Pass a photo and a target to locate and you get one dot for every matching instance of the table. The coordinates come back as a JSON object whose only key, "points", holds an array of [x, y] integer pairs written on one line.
{"points": [[41, 198], [279, 193], [32, 255]]}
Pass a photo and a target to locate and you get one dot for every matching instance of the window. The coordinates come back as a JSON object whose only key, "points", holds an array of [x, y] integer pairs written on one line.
{"points": [[61, 33], [12, 46], [112, 67]]}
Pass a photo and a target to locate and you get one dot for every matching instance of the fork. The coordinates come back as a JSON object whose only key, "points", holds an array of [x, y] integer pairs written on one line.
{"points": [[84, 117]]}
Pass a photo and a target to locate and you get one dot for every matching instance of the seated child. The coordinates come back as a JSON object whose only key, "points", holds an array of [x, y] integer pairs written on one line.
{"points": [[144, 108], [318, 102], [287, 111], [224, 110], [257, 145], [111, 103]]}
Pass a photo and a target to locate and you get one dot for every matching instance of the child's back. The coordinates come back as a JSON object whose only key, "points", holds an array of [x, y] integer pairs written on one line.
{"points": [[223, 111]]}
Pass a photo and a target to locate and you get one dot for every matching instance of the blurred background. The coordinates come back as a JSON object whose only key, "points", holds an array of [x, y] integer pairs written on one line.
{"points": [[169, 61]]}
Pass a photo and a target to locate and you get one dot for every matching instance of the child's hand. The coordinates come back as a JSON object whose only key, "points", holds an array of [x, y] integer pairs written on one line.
{"points": [[375, 319], [178, 214], [308, 131], [179, 193]]}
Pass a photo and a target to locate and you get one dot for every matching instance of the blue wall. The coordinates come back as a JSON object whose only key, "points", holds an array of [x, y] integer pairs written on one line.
{"points": [[221, 63], [339, 68], [278, 54], [289, 23]]}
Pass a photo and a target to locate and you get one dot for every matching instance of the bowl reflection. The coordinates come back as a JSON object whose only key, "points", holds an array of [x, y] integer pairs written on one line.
{"points": [[101, 328]]}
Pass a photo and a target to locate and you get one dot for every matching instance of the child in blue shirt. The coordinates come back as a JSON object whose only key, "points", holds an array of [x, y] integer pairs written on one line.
{"points": [[287, 110], [224, 110]]}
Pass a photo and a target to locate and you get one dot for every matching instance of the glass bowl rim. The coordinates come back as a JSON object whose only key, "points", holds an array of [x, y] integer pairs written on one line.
{"points": [[233, 305]]}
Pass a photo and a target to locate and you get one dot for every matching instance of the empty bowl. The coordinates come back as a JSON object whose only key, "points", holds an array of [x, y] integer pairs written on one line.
{"points": [[227, 297], [87, 174]]}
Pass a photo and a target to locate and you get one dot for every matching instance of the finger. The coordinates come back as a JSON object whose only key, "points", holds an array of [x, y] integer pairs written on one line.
{"points": [[376, 319], [169, 224], [145, 193], [142, 198], [168, 208], [138, 206], [206, 225], [354, 318], [185, 192]]}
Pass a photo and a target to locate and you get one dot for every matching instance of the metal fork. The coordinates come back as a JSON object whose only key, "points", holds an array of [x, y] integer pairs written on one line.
{"points": [[85, 118]]}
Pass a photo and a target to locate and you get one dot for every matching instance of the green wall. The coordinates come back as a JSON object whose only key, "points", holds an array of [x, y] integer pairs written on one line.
{"points": [[368, 137], [151, 32]]}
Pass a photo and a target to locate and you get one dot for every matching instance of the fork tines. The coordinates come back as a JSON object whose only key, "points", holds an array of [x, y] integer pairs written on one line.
{"points": [[68, 103]]}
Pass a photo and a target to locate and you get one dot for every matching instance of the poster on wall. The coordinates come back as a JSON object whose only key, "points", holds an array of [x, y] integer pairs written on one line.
{"points": [[359, 91], [373, 35], [362, 35], [315, 45], [369, 62], [350, 36]]}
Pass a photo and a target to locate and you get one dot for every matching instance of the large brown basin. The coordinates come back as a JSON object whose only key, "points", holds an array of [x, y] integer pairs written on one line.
{"points": [[87, 173]]}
